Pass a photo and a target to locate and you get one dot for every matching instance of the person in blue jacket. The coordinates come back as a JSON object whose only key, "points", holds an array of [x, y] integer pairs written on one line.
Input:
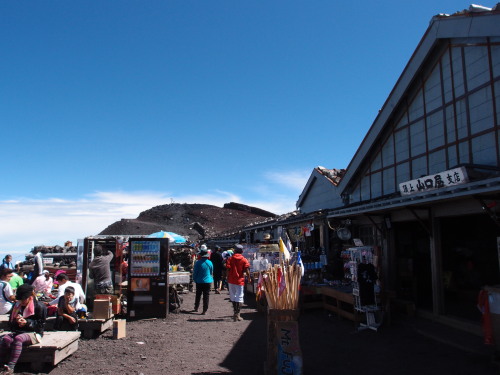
{"points": [[203, 277], [7, 263]]}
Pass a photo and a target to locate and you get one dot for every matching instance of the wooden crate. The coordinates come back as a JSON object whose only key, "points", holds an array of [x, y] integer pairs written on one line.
{"points": [[55, 347]]}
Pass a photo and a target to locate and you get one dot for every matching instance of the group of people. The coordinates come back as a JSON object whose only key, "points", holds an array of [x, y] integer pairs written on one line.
{"points": [[210, 268], [27, 314]]}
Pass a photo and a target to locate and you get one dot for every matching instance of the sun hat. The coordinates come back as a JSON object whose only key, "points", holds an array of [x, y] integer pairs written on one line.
{"points": [[204, 252]]}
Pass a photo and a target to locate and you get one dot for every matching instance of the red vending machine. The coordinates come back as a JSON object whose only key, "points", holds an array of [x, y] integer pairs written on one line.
{"points": [[147, 295]]}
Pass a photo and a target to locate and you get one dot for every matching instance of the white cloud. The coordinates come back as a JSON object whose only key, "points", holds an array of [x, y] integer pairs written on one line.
{"points": [[30, 222], [295, 180]]}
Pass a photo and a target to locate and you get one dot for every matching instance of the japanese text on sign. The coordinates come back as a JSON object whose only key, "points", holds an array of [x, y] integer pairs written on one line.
{"points": [[444, 179]]}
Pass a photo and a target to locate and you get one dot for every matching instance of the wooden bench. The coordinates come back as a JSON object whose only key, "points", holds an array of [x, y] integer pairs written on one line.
{"points": [[90, 328], [94, 327], [55, 347], [4, 322]]}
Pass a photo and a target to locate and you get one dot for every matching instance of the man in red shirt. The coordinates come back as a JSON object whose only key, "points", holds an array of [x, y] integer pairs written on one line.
{"points": [[237, 267]]}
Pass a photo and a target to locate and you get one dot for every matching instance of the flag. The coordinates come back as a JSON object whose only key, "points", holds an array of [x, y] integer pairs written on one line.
{"points": [[299, 262], [281, 282], [288, 243], [284, 250]]}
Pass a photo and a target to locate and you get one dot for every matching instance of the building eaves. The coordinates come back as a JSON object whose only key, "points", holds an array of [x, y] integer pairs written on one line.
{"points": [[473, 188]]}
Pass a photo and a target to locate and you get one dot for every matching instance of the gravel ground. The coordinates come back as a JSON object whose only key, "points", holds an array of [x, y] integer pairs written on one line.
{"points": [[190, 343]]}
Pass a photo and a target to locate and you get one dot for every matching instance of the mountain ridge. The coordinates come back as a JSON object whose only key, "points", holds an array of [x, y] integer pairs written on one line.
{"points": [[195, 221]]}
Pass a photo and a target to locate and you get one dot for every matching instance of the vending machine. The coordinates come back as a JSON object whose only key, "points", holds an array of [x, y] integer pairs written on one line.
{"points": [[147, 295]]}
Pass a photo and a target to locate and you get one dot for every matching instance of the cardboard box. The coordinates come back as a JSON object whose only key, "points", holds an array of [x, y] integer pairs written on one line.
{"points": [[115, 301], [102, 309], [119, 329]]}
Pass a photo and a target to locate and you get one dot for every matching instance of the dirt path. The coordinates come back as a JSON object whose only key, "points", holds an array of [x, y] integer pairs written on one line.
{"points": [[189, 343], [184, 343]]}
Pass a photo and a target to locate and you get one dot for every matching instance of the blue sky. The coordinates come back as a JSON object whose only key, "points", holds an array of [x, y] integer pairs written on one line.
{"points": [[110, 108]]}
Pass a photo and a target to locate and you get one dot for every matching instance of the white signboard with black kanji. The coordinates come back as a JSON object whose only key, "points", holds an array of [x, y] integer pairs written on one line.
{"points": [[452, 177]]}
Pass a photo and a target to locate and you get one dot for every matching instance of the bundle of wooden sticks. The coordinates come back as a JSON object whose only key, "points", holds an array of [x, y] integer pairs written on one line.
{"points": [[282, 294]]}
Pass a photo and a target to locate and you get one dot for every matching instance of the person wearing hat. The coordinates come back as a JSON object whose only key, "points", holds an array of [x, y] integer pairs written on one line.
{"points": [[27, 322], [7, 262], [203, 277], [226, 254], [237, 267]]}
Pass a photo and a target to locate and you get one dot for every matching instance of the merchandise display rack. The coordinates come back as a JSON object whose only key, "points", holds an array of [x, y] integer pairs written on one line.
{"points": [[356, 256]]}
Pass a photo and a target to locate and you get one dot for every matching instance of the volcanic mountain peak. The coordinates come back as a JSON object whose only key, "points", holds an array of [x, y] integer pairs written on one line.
{"points": [[195, 221]]}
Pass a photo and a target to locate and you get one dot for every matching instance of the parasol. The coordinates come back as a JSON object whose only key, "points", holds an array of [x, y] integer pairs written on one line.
{"points": [[172, 237]]}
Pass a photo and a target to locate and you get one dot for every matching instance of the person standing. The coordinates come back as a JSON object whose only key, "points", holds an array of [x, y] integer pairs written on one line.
{"points": [[7, 297], [225, 256], [216, 259], [7, 262], [27, 322], [38, 271], [203, 277], [100, 270], [237, 267]]}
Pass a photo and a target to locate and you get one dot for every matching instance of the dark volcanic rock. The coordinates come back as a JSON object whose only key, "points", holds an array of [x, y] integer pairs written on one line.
{"points": [[195, 221]]}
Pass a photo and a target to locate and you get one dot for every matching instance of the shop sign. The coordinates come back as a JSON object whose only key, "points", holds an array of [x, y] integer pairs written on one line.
{"points": [[452, 177]]}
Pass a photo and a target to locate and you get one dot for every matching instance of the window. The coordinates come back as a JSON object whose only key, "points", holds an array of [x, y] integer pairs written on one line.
{"points": [[419, 167], [435, 130], [461, 115], [450, 124], [401, 139], [484, 150], [388, 175], [388, 152], [365, 188], [416, 109], [458, 78], [432, 89], [495, 58], [452, 157], [437, 162], [376, 184], [447, 83], [476, 66], [463, 151], [417, 138], [403, 173], [377, 162], [481, 110]]}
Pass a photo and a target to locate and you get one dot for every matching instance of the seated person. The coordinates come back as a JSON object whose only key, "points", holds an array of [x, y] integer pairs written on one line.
{"points": [[43, 283], [67, 319], [7, 297], [64, 282], [27, 321]]}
